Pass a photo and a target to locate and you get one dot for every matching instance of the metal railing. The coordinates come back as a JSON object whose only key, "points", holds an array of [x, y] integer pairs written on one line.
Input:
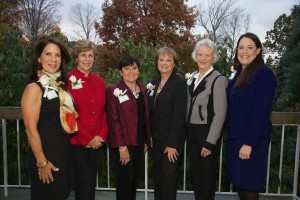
{"points": [[282, 169]]}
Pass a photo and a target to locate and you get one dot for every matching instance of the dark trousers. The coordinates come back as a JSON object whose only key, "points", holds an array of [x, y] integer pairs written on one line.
{"points": [[165, 173], [126, 176], [85, 162], [203, 170]]}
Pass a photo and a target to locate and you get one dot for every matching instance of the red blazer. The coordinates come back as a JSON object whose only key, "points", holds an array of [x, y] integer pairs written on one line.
{"points": [[122, 118], [90, 104]]}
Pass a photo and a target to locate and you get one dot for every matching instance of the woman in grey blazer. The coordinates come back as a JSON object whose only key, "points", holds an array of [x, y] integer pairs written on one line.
{"points": [[207, 107], [167, 99]]}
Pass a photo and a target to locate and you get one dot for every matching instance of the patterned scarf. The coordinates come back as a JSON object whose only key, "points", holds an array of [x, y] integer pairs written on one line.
{"points": [[68, 114]]}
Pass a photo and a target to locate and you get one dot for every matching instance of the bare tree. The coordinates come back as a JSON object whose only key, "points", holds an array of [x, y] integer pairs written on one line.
{"points": [[215, 14], [39, 17], [84, 18], [231, 28]]}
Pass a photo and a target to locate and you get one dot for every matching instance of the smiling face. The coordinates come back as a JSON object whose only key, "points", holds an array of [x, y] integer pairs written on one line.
{"points": [[247, 51], [130, 73], [205, 58], [85, 61], [165, 64], [50, 58]]}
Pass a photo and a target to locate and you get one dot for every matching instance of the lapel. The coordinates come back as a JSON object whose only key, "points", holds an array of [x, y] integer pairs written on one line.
{"points": [[201, 87], [232, 82], [166, 87]]}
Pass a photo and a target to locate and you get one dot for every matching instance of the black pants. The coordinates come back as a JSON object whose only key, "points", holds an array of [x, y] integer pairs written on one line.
{"points": [[165, 173], [203, 170], [126, 176], [85, 162]]}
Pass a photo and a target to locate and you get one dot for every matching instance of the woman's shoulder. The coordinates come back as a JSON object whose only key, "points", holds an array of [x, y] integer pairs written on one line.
{"points": [[32, 89], [265, 72]]}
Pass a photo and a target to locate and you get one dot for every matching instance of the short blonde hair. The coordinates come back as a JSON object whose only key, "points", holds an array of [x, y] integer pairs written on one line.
{"points": [[210, 44], [167, 51]]}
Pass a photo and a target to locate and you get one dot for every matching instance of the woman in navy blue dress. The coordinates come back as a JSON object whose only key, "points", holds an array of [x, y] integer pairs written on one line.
{"points": [[250, 97]]}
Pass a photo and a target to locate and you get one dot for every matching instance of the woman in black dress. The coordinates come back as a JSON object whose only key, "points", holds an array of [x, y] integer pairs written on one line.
{"points": [[49, 153]]}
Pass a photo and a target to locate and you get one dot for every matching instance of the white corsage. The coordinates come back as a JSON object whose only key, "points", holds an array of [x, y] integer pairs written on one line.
{"points": [[49, 91], [233, 72], [189, 78], [150, 89], [76, 84], [121, 95]]}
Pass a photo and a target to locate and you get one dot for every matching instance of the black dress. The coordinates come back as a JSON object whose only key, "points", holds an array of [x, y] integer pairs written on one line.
{"points": [[56, 147]]}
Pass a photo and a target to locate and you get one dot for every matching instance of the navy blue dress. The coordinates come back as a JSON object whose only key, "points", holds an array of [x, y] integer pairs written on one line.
{"points": [[248, 122]]}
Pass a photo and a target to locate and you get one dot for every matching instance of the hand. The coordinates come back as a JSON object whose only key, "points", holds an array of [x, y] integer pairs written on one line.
{"points": [[124, 155], [95, 143], [245, 152], [45, 173], [205, 152], [172, 154]]}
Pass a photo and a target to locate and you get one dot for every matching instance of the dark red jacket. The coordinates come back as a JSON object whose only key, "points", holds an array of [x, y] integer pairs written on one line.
{"points": [[122, 118]]}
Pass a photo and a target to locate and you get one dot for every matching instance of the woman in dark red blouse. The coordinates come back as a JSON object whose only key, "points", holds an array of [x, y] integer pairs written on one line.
{"points": [[129, 127], [88, 91]]}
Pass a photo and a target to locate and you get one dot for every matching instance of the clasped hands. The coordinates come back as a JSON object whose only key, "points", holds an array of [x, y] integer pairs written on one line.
{"points": [[95, 143]]}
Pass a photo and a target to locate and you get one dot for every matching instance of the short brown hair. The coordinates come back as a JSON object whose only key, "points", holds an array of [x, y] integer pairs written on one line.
{"points": [[83, 46]]}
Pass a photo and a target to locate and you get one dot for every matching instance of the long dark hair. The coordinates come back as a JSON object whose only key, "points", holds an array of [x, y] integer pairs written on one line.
{"points": [[37, 50], [258, 62]]}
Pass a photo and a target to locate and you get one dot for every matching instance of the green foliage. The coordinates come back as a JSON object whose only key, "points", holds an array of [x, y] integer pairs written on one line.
{"points": [[146, 56], [275, 45], [290, 63], [13, 68]]}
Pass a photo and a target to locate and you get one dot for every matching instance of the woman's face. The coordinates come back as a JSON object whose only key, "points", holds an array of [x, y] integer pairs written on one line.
{"points": [[50, 58], [205, 58], [247, 51], [85, 61], [130, 73], [165, 64]]}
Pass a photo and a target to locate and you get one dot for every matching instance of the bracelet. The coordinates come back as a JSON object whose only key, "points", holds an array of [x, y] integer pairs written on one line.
{"points": [[122, 149], [40, 151], [42, 165]]}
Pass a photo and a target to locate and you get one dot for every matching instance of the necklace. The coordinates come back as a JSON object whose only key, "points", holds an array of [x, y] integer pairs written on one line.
{"points": [[135, 94], [160, 86]]}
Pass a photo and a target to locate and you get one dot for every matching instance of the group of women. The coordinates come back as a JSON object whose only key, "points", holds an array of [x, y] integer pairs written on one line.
{"points": [[132, 117]]}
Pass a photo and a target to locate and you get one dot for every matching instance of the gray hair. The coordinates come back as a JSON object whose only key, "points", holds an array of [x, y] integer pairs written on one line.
{"points": [[210, 44]]}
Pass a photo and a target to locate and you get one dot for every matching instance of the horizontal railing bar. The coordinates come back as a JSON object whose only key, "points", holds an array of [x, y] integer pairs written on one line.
{"points": [[277, 118]]}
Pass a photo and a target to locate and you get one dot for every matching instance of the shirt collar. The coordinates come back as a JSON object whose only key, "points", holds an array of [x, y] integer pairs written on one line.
{"points": [[80, 74]]}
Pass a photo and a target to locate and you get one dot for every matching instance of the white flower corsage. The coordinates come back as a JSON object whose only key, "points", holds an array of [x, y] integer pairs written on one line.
{"points": [[150, 89], [189, 78], [49, 91], [233, 72], [76, 84], [121, 95]]}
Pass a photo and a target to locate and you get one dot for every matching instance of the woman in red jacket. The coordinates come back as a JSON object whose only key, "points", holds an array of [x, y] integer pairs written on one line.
{"points": [[88, 91], [129, 127]]}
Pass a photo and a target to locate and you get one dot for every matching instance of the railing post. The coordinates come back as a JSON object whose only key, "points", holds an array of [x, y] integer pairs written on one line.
{"points": [[296, 168], [184, 166], [146, 175], [4, 141]]}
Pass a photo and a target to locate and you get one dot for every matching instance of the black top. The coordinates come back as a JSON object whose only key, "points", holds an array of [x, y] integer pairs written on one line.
{"points": [[56, 147]]}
